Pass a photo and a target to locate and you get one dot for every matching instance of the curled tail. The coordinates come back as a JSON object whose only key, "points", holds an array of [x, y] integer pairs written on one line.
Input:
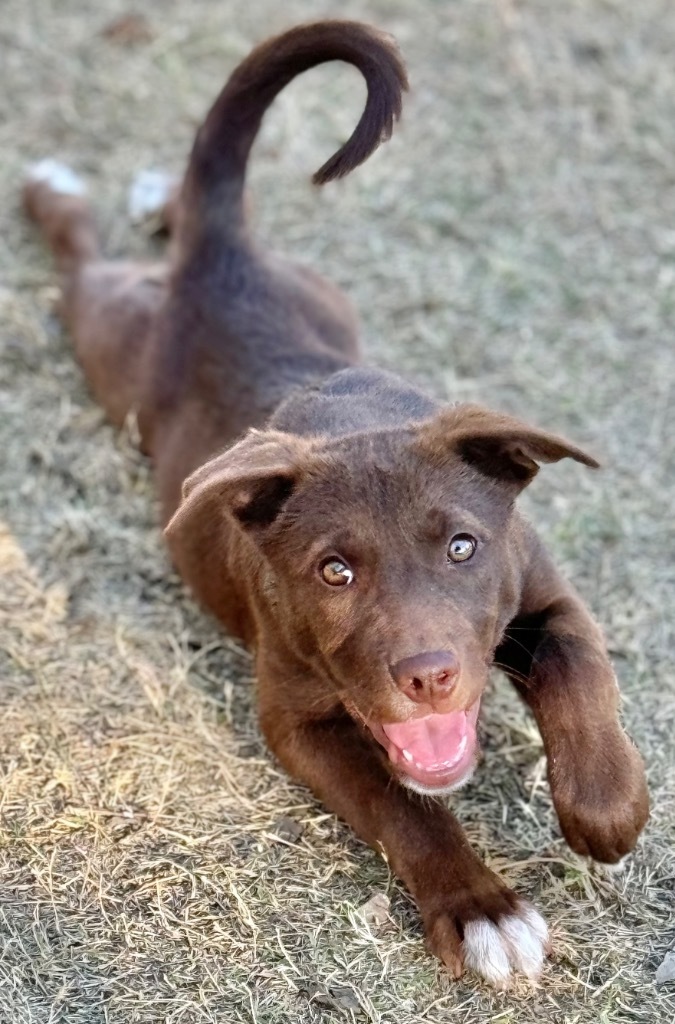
{"points": [[217, 165]]}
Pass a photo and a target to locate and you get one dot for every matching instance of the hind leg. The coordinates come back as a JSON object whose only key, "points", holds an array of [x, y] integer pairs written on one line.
{"points": [[109, 308], [153, 198]]}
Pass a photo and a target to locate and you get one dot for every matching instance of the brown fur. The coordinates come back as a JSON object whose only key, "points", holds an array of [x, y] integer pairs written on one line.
{"points": [[232, 344]]}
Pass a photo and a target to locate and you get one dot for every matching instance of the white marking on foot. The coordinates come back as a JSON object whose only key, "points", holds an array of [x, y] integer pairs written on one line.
{"points": [[58, 176], [517, 943], [619, 867], [148, 193], [485, 952]]}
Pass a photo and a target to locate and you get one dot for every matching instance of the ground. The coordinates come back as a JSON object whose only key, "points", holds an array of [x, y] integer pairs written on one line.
{"points": [[515, 243]]}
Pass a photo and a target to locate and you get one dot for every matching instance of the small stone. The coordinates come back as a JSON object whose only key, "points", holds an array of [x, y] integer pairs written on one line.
{"points": [[345, 998], [288, 829], [318, 995], [339, 997], [376, 911], [666, 969]]}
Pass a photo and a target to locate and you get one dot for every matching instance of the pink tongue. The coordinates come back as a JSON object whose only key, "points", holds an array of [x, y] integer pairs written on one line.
{"points": [[432, 741]]}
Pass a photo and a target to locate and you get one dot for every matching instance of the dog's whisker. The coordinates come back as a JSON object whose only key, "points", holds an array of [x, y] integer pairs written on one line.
{"points": [[512, 672]]}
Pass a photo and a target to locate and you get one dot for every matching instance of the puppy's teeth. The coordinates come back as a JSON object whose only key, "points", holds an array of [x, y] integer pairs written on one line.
{"points": [[407, 755]]}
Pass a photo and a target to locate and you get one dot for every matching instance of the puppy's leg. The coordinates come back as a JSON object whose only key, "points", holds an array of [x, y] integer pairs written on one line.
{"points": [[153, 197], [108, 307], [55, 198], [556, 657], [471, 918]]}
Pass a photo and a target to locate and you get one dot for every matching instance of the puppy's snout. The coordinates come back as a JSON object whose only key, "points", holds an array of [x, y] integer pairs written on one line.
{"points": [[427, 678]]}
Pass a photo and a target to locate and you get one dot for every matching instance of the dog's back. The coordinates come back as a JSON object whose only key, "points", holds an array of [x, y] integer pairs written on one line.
{"points": [[210, 349], [243, 313]]}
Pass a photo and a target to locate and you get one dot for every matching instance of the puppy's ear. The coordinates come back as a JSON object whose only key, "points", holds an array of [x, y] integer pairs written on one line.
{"points": [[499, 446], [250, 481]]}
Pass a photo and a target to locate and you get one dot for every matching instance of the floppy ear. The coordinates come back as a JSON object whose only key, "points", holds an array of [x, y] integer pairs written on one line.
{"points": [[499, 446], [251, 481]]}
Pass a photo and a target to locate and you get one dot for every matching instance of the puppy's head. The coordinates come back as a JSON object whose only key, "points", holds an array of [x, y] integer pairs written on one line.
{"points": [[392, 565]]}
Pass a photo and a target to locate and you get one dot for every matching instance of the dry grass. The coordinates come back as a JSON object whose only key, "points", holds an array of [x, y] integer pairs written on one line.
{"points": [[515, 243]]}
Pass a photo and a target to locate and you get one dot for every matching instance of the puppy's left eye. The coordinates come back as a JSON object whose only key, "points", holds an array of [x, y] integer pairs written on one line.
{"points": [[462, 547], [336, 573]]}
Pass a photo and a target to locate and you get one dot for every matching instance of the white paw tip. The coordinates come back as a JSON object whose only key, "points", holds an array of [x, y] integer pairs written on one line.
{"points": [[619, 867], [58, 176], [148, 193], [517, 943], [485, 952]]}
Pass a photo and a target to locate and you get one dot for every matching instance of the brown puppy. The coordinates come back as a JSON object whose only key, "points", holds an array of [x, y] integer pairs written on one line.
{"points": [[362, 538]]}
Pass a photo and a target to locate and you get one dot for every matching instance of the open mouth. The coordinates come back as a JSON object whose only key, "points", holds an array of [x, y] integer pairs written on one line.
{"points": [[436, 751]]}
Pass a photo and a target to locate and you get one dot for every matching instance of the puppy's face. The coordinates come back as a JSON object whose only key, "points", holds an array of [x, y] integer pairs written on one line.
{"points": [[391, 567]]}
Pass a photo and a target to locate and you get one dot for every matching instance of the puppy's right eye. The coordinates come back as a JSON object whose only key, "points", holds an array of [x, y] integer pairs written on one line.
{"points": [[336, 573], [462, 547]]}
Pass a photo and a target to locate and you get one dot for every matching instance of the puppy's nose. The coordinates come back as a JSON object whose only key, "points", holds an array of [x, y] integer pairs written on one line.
{"points": [[426, 678]]}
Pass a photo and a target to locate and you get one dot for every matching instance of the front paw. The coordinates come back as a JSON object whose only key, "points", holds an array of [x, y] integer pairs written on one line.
{"points": [[490, 931], [600, 795]]}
